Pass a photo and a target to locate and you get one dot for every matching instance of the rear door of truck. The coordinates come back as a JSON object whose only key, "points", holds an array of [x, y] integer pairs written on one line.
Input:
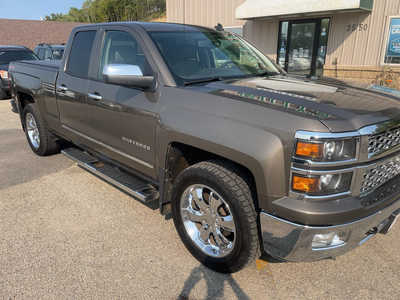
{"points": [[72, 82]]}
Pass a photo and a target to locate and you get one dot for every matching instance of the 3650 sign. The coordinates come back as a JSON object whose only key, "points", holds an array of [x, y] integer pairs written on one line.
{"points": [[357, 27]]}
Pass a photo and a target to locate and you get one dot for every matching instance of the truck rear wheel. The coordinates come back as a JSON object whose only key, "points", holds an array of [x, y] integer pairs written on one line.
{"points": [[214, 215], [39, 138]]}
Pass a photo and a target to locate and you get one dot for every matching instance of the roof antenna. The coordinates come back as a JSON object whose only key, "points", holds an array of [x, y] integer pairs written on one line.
{"points": [[219, 27]]}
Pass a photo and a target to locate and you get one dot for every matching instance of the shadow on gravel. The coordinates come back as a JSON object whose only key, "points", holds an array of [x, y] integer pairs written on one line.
{"points": [[18, 164], [215, 284]]}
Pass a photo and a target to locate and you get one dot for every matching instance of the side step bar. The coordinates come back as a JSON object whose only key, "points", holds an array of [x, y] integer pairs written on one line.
{"points": [[134, 186]]}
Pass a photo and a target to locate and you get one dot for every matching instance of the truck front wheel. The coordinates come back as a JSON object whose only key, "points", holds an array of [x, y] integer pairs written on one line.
{"points": [[214, 215], [39, 138]]}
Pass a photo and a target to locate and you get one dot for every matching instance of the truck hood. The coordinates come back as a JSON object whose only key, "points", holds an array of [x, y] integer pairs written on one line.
{"points": [[340, 107]]}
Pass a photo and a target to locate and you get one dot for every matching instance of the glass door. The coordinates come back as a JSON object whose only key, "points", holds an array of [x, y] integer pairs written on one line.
{"points": [[301, 49], [302, 46]]}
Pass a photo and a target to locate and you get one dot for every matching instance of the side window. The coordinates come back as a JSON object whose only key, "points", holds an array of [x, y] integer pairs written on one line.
{"points": [[120, 47], [47, 54], [79, 57], [41, 53]]}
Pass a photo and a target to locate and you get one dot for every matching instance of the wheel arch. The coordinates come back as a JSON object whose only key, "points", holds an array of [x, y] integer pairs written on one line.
{"points": [[179, 154]]}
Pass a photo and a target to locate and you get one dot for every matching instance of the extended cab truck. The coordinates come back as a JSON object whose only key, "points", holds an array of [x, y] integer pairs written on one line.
{"points": [[247, 158]]}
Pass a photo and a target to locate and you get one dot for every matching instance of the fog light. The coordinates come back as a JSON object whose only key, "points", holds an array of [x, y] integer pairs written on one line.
{"points": [[327, 240]]}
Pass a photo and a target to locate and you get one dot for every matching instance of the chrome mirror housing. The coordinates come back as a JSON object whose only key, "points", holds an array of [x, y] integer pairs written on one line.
{"points": [[128, 75], [122, 70]]}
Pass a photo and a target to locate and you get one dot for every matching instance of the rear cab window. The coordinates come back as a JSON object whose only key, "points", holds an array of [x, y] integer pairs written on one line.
{"points": [[48, 54], [79, 56], [41, 53]]}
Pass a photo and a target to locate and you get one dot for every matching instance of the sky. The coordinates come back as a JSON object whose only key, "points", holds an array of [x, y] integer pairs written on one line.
{"points": [[35, 9]]}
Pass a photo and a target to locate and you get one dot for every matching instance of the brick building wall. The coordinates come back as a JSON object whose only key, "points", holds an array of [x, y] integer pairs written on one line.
{"points": [[29, 33]]}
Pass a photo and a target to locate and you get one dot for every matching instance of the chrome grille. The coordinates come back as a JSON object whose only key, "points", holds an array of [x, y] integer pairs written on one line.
{"points": [[384, 141], [381, 174]]}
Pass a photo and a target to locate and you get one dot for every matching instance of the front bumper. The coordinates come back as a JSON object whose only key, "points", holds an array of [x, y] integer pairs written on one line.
{"points": [[293, 242]]}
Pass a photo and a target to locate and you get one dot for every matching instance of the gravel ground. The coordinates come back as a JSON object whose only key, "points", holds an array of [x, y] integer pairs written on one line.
{"points": [[67, 234]]}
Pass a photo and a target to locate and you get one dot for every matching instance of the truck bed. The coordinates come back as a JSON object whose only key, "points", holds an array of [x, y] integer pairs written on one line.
{"points": [[35, 72]]}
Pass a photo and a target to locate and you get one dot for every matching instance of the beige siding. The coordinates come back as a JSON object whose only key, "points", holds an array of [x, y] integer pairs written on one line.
{"points": [[361, 48], [264, 35], [204, 12]]}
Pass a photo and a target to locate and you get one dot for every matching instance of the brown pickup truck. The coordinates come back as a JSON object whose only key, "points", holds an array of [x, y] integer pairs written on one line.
{"points": [[247, 158]]}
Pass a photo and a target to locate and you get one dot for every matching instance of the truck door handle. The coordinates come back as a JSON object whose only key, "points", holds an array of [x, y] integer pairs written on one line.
{"points": [[95, 96], [62, 88]]}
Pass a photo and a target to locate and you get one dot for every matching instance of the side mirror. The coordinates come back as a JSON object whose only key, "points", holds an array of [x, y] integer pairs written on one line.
{"points": [[128, 75]]}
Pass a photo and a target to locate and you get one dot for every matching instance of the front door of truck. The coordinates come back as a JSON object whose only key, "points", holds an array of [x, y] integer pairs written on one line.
{"points": [[72, 84], [123, 119]]}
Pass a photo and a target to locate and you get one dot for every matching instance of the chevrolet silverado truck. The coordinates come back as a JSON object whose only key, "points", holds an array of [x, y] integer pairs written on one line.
{"points": [[247, 159]]}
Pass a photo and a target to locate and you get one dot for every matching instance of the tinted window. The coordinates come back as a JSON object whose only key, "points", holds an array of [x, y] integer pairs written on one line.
{"points": [[58, 53], [121, 48], [47, 54], [41, 53], [79, 58], [14, 55]]}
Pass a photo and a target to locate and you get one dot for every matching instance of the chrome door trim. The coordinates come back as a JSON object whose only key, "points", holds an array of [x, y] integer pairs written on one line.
{"points": [[95, 97], [62, 89], [137, 160]]}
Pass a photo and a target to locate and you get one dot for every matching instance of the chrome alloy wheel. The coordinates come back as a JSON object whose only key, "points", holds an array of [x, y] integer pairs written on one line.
{"points": [[208, 220], [33, 130]]}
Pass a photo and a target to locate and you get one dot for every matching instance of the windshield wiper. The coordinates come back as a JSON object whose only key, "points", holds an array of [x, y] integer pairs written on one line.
{"points": [[203, 80]]}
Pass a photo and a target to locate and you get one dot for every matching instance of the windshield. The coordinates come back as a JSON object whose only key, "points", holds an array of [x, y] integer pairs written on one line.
{"points": [[13, 55], [196, 55], [58, 53]]}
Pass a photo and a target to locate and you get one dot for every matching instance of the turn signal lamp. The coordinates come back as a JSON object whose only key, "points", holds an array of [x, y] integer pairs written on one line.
{"points": [[305, 184], [320, 185], [311, 150], [3, 74]]}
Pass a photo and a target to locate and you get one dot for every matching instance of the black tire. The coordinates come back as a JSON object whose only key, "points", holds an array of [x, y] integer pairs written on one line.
{"points": [[48, 144], [3, 94], [227, 182]]}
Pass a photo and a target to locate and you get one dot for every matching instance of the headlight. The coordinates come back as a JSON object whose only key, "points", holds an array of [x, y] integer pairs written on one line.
{"points": [[321, 185], [328, 150]]}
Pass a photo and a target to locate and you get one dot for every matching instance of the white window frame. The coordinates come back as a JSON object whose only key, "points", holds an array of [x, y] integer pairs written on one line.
{"points": [[385, 45]]}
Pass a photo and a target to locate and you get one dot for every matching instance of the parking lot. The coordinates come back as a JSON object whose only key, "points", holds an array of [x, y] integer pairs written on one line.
{"points": [[66, 234]]}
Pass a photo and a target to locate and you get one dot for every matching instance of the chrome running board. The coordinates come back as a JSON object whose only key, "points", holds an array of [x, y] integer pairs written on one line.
{"points": [[132, 185]]}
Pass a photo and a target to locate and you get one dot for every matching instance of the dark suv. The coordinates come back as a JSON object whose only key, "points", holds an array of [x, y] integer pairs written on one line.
{"points": [[49, 51], [7, 55]]}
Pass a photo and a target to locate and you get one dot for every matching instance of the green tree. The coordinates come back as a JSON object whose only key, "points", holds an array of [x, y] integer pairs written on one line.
{"points": [[95, 11]]}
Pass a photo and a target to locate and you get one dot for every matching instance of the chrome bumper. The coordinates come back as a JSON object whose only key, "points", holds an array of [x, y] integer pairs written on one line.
{"points": [[293, 242]]}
